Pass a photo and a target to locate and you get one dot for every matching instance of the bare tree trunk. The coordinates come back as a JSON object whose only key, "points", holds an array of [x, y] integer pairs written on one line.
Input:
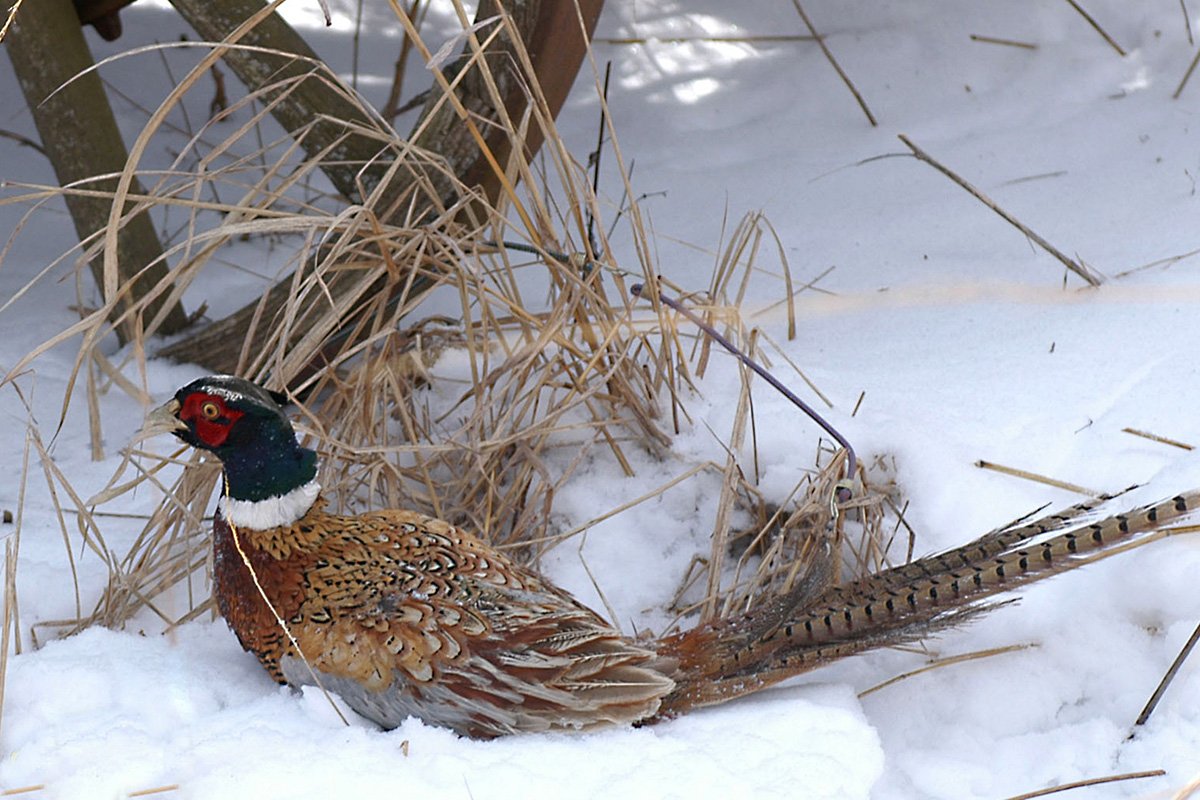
{"points": [[552, 33], [311, 99], [81, 138]]}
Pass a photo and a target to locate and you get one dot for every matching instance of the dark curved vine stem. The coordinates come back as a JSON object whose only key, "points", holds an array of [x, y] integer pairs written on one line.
{"points": [[595, 159], [843, 492]]}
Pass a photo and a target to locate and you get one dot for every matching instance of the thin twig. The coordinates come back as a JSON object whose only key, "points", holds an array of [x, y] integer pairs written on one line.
{"points": [[1079, 268], [975, 37], [1187, 21], [595, 158], [1186, 76], [833, 61], [1152, 703], [1128, 776], [220, 99], [862, 395], [22, 140], [1160, 439], [1096, 25], [1033, 476], [355, 43]]}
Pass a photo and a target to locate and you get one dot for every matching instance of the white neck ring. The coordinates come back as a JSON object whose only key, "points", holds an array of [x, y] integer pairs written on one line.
{"points": [[274, 512]]}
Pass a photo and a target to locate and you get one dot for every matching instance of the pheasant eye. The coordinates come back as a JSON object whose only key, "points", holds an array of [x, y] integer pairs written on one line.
{"points": [[210, 410]]}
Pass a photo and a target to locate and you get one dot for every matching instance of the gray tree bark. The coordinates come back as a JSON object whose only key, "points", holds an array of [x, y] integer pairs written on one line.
{"points": [[79, 134], [549, 27]]}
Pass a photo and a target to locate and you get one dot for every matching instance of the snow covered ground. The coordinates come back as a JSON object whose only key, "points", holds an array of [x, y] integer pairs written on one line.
{"points": [[958, 329]]}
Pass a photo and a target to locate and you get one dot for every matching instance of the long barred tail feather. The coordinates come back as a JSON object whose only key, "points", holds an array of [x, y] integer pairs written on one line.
{"points": [[737, 656]]}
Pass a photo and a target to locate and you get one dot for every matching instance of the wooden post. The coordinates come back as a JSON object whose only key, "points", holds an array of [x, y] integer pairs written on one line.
{"points": [[556, 47], [79, 134]]}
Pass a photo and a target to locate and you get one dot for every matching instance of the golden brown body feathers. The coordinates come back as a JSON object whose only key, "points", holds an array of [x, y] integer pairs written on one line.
{"points": [[407, 615]]}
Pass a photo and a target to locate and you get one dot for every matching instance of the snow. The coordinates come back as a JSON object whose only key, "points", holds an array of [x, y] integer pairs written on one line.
{"points": [[195, 711], [959, 330]]}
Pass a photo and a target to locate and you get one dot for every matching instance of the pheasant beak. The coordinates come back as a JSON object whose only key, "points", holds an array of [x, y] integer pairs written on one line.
{"points": [[164, 419]]}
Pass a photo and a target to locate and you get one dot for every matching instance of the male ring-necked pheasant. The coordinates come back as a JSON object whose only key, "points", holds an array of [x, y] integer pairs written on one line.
{"points": [[402, 614]]}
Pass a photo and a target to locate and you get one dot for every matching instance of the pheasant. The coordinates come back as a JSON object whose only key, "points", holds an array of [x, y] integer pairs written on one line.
{"points": [[405, 615]]}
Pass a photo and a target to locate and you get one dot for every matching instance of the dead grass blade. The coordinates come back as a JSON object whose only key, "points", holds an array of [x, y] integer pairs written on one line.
{"points": [[1188, 791], [938, 663], [8, 21], [11, 623], [10, 632], [1127, 776], [1036, 478], [170, 787]]}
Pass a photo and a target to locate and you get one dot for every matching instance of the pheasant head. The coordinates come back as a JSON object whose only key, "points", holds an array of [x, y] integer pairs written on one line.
{"points": [[269, 476]]}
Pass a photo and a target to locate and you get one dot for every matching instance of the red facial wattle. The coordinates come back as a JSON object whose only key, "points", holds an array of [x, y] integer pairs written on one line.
{"points": [[209, 416]]}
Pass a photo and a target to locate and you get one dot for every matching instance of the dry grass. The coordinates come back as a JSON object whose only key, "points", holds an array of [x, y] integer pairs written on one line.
{"points": [[556, 364]]}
